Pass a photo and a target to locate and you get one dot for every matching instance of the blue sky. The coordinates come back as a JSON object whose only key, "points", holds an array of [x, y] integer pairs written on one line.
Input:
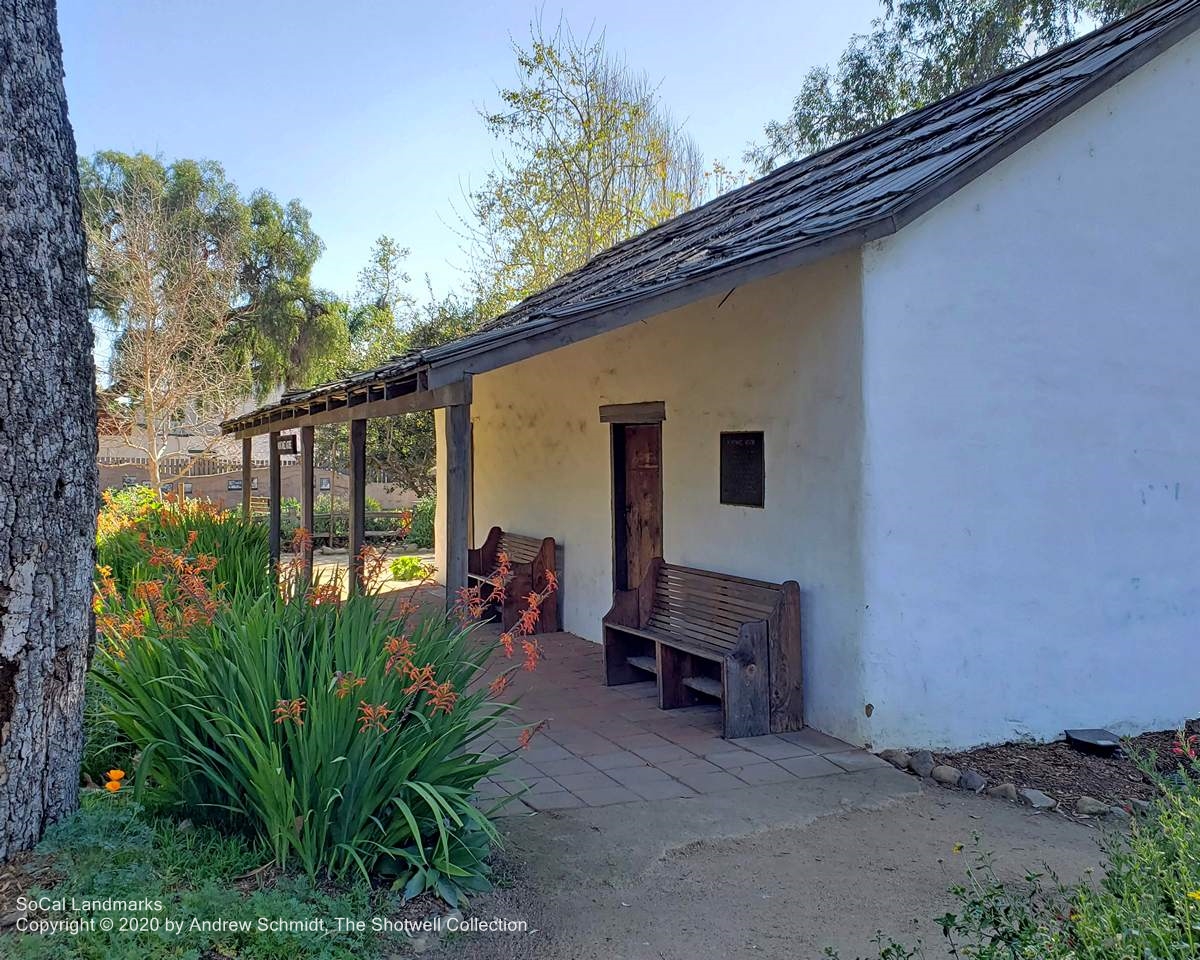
{"points": [[368, 112]]}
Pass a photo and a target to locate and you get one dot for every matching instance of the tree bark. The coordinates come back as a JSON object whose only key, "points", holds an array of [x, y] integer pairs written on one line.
{"points": [[47, 435]]}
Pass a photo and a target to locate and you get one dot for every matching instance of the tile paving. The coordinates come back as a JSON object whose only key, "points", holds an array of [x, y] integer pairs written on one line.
{"points": [[607, 745]]}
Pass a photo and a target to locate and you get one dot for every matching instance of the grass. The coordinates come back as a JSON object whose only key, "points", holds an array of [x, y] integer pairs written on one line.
{"points": [[113, 849]]}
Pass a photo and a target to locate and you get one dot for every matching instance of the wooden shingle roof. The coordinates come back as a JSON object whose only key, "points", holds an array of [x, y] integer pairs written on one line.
{"points": [[859, 190]]}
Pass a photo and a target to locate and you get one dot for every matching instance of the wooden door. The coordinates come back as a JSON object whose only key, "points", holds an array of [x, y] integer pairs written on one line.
{"points": [[637, 501]]}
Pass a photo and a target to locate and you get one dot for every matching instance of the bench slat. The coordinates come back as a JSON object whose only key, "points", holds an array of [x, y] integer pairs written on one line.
{"points": [[711, 594], [718, 619], [520, 549], [711, 607], [688, 628], [705, 685], [709, 651], [649, 664], [722, 577]]}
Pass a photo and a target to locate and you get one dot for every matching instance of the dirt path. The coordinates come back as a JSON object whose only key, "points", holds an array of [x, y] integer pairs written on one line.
{"points": [[780, 893]]}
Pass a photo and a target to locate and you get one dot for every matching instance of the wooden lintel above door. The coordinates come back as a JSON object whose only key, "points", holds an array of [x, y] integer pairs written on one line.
{"points": [[651, 411]]}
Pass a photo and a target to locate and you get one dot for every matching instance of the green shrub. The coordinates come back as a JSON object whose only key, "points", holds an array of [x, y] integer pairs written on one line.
{"points": [[409, 568], [421, 533], [1146, 906], [125, 539], [338, 738], [133, 502]]}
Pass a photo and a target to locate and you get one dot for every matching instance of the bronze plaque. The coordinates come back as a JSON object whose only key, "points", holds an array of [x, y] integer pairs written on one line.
{"points": [[743, 469]]}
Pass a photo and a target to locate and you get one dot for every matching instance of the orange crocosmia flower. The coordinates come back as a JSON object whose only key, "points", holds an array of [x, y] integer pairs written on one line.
{"points": [[528, 734], [404, 608], [533, 653], [324, 593], [371, 563], [442, 697], [399, 651], [113, 786], [506, 641], [499, 685], [373, 716], [347, 682], [301, 541], [115, 774], [292, 710], [527, 622], [422, 679]]}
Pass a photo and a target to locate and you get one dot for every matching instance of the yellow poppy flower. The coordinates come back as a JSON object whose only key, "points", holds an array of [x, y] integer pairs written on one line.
{"points": [[115, 774], [113, 786]]}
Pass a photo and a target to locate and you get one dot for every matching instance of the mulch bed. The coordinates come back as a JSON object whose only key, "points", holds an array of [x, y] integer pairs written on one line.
{"points": [[1066, 773]]}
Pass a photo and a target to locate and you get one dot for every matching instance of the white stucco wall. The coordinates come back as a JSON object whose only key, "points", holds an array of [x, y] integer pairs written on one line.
{"points": [[780, 355], [1032, 408]]}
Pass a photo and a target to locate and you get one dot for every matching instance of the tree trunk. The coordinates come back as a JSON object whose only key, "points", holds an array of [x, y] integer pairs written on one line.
{"points": [[47, 435]]}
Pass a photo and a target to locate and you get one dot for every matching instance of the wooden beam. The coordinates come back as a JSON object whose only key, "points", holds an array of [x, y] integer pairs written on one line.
{"points": [[458, 497], [307, 454], [275, 506], [457, 392], [358, 500], [653, 411], [247, 474]]}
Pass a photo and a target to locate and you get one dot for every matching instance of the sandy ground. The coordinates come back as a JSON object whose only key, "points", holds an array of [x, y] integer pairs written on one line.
{"points": [[595, 885]]}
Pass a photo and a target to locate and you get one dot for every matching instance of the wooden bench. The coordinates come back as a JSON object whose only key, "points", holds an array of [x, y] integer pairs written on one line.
{"points": [[706, 635], [327, 527], [530, 559]]}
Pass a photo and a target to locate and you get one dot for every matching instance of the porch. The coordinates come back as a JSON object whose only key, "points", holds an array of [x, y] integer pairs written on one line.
{"points": [[608, 745]]}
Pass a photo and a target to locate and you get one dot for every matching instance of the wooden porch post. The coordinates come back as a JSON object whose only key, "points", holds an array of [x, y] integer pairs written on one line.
{"points": [[458, 497], [358, 499], [247, 474], [274, 508], [307, 452]]}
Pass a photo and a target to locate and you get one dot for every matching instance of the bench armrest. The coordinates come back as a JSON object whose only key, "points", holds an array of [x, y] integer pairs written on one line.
{"points": [[624, 611]]}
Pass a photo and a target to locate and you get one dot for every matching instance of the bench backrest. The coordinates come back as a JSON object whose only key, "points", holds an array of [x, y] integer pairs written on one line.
{"points": [[709, 607], [520, 549]]}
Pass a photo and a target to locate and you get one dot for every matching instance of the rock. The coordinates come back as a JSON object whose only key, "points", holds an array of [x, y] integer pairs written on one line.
{"points": [[972, 780], [1141, 807], [1003, 791], [185, 826], [1036, 799], [946, 775], [1116, 813], [897, 758], [1090, 807], [921, 763]]}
